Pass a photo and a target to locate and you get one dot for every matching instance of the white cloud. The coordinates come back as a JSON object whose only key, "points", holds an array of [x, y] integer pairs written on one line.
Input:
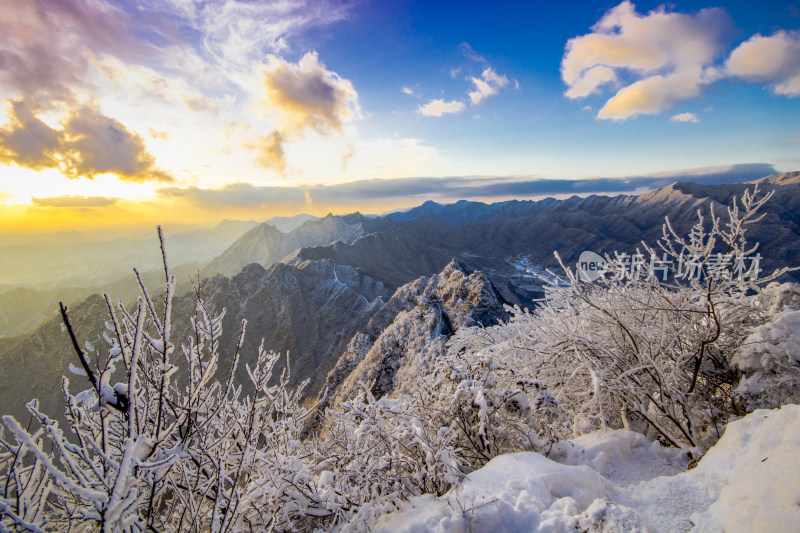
{"points": [[591, 81], [774, 59], [685, 117], [487, 85], [668, 55], [437, 108], [408, 90], [237, 31], [471, 54]]}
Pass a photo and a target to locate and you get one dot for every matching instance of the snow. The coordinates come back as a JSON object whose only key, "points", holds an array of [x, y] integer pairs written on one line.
{"points": [[529, 270], [622, 457], [768, 347], [619, 481], [76, 370], [755, 474]]}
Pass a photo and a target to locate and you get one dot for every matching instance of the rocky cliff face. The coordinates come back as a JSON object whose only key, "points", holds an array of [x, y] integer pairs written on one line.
{"points": [[405, 337], [308, 311]]}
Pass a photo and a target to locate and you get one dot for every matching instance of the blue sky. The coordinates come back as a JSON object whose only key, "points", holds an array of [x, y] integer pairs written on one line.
{"points": [[419, 44], [138, 109]]}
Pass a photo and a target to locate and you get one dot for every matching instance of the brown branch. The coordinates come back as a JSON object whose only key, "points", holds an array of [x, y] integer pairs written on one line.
{"points": [[120, 402]]}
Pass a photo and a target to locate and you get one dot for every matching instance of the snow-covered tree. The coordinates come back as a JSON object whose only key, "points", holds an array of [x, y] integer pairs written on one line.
{"points": [[148, 448]]}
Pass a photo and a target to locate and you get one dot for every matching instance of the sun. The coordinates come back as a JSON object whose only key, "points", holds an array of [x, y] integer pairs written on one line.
{"points": [[21, 186]]}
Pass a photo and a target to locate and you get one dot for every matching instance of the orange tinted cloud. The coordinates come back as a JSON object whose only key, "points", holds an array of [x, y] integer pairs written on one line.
{"points": [[88, 144], [27, 141], [308, 95], [301, 97], [269, 151], [74, 201]]}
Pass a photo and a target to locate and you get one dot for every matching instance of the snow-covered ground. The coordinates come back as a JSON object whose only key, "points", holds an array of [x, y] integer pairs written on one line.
{"points": [[618, 481], [527, 269]]}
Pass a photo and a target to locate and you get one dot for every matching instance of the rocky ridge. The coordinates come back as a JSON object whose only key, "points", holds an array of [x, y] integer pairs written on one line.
{"points": [[405, 336]]}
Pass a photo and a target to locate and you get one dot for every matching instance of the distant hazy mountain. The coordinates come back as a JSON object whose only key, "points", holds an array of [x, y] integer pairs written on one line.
{"points": [[33, 364], [265, 244], [51, 273], [457, 213], [93, 263], [287, 224], [22, 309], [102, 234]]}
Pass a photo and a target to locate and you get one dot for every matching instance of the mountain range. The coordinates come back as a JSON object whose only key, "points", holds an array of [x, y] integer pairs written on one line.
{"points": [[355, 299]]}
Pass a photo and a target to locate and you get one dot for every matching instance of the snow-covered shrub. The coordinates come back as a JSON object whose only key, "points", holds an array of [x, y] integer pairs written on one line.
{"points": [[633, 350], [25, 488], [769, 358], [483, 407], [494, 410], [655, 353], [373, 454]]}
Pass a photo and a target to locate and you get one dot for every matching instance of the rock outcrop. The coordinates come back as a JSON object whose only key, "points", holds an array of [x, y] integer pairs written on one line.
{"points": [[404, 338]]}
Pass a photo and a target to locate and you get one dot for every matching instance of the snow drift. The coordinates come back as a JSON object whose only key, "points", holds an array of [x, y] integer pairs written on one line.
{"points": [[619, 481]]}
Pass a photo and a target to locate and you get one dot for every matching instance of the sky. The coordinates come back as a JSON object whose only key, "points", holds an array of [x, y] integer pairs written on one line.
{"points": [[186, 111]]}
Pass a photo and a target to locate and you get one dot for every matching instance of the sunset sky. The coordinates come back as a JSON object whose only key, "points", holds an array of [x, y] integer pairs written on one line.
{"points": [[183, 111]]}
